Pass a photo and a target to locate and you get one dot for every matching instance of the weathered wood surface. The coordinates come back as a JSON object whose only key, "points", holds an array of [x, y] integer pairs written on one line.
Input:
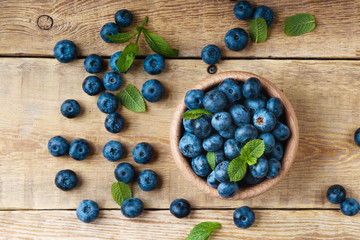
{"points": [[323, 93], [270, 224], [186, 24]]}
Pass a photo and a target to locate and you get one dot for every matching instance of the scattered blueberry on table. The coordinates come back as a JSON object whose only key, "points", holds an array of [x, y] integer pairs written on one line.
{"points": [[236, 39], [65, 51], [180, 208], [93, 63], [112, 81], [349, 207], [152, 90], [132, 207], [87, 211], [211, 54], [109, 29], [124, 172], [264, 12], [92, 85], [113, 151], [243, 10], [154, 64], [113, 61], [58, 146], [108, 103], [114, 122], [70, 108], [147, 180], [142, 153], [336, 194], [123, 18], [66, 180], [244, 217], [79, 149]]}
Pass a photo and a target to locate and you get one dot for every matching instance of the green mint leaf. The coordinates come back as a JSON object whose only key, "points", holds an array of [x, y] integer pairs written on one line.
{"points": [[127, 57], [252, 151], [158, 45], [203, 230], [120, 192], [258, 30], [237, 169], [210, 156], [131, 99], [121, 37], [196, 113], [299, 24]]}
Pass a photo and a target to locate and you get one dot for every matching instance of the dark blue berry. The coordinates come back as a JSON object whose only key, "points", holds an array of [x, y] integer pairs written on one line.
{"points": [[274, 168], [264, 120], [114, 122], [281, 132], [240, 114], [219, 157], [87, 211], [254, 104], [244, 217], [132, 207], [93, 63], [79, 149], [245, 133], [228, 189], [154, 64], [147, 180], [336, 194], [58, 146], [275, 105], [243, 10], [66, 180], [260, 169], [70, 108], [211, 54], [228, 133], [113, 151], [251, 88], [123, 18], [92, 85], [201, 166], [65, 51], [190, 145], [180, 208], [231, 89], [112, 81], [211, 180], [231, 149], [236, 39], [113, 61], [250, 179], [269, 142], [108, 103], [265, 13], [277, 152], [202, 127], [215, 101], [143, 153], [109, 29], [213, 143], [194, 99], [187, 123], [124, 172], [221, 121], [349, 207], [152, 90], [221, 171], [357, 137]]}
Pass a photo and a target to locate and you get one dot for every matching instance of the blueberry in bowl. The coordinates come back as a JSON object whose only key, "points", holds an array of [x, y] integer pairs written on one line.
{"points": [[218, 118]]}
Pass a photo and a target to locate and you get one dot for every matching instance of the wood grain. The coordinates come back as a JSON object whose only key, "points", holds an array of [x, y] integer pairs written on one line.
{"points": [[269, 224], [323, 94], [187, 25]]}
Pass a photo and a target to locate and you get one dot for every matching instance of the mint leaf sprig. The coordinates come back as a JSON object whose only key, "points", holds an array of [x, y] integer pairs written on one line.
{"points": [[196, 113], [249, 155], [202, 231], [258, 30], [299, 24], [156, 43], [120, 192]]}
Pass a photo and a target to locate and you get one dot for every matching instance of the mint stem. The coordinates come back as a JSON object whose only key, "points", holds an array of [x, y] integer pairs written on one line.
{"points": [[141, 28]]}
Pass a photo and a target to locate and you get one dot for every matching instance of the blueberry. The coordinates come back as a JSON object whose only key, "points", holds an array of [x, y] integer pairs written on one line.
{"points": [[274, 168], [281, 132], [231, 149], [251, 88], [58, 146], [250, 179], [187, 123], [275, 105], [113, 61], [269, 141], [114, 122], [79, 149], [107, 103], [124, 172], [357, 137], [260, 169], [194, 99], [277, 152], [236, 39], [245, 133], [202, 127], [221, 121], [143, 153], [221, 171], [244, 217], [213, 143], [231, 89], [349, 207], [87, 211], [70, 108], [66, 180], [201, 166], [113, 151], [93, 63], [243, 10], [228, 133], [65, 51], [190, 145], [109, 29], [228, 189], [265, 13], [336, 194], [219, 156], [215, 101], [180, 208], [240, 114], [92, 85], [152, 90], [147, 180], [264, 120], [123, 18], [132, 207], [112, 81], [254, 104], [211, 54], [211, 180], [154, 64]]}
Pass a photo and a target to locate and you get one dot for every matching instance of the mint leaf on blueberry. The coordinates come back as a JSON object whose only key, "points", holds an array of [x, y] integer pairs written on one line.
{"points": [[132, 99], [237, 169], [299, 24], [127, 57], [258, 30], [203, 230], [210, 157], [158, 45], [121, 37], [196, 113], [120, 192]]}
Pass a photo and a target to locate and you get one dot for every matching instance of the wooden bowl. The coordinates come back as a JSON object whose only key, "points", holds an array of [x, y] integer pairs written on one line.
{"points": [[289, 152]]}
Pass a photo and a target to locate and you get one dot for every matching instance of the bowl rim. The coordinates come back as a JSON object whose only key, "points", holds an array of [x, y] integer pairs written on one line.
{"points": [[289, 152]]}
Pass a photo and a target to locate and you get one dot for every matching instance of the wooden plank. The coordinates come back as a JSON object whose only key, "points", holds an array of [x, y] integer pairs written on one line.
{"points": [[269, 224], [188, 25], [323, 94]]}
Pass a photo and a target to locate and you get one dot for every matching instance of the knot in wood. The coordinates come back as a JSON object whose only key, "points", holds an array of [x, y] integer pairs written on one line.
{"points": [[45, 22]]}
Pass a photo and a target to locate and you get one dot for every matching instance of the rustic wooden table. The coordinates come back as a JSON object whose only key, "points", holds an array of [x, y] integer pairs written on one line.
{"points": [[318, 72]]}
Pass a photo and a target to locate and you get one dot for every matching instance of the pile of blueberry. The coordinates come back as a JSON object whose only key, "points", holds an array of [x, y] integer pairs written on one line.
{"points": [[241, 112], [65, 51], [337, 194]]}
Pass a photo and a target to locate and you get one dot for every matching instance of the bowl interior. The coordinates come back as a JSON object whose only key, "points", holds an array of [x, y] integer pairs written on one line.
{"points": [[290, 149]]}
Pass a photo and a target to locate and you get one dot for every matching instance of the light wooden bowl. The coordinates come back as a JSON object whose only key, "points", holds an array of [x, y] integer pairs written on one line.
{"points": [[289, 152]]}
